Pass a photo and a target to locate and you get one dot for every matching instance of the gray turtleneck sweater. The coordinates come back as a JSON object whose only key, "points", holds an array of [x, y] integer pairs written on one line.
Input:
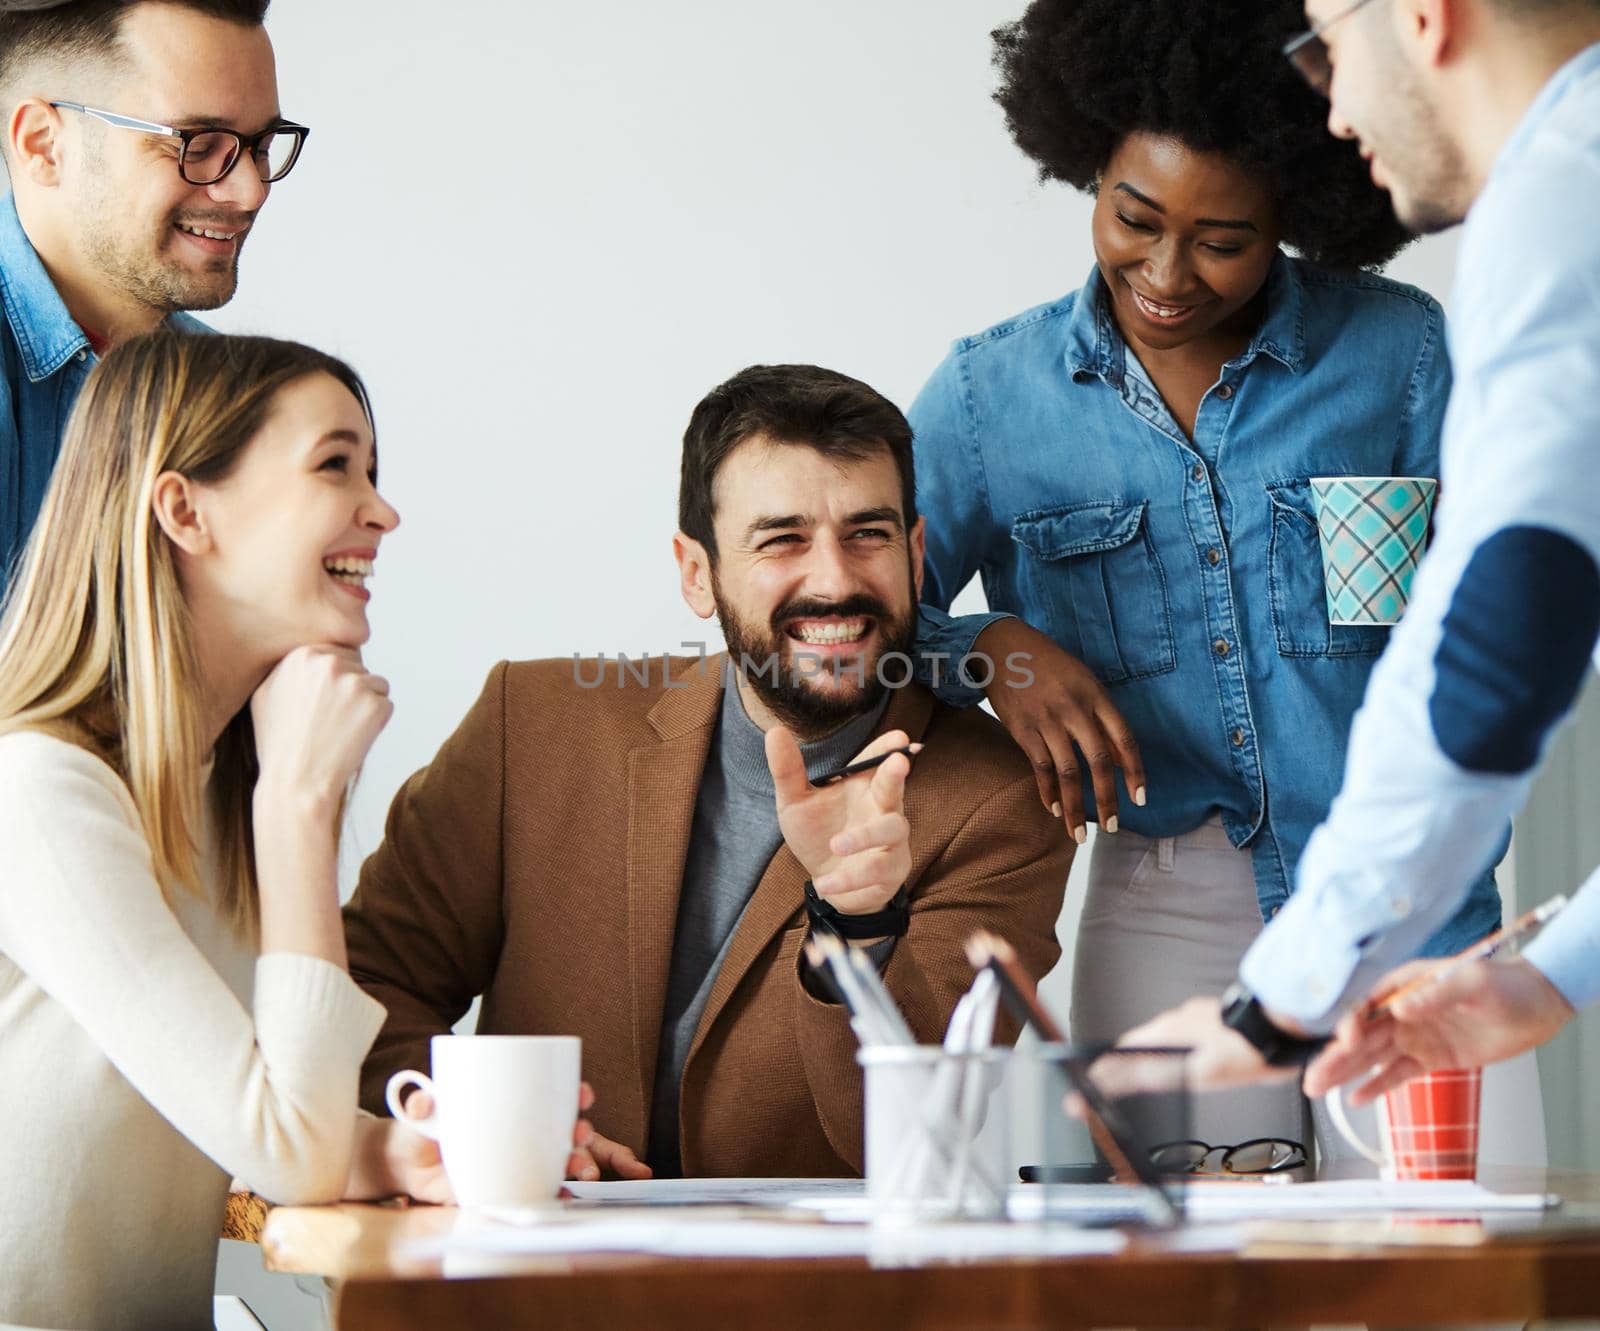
{"points": [[733, 839]]}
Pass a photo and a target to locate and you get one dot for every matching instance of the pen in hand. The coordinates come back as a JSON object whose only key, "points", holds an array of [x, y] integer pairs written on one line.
{"points": [[865, 765], [1522, 926]]}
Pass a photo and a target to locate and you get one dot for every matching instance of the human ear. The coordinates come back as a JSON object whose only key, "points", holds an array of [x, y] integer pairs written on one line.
{"points": [[1428, 28], [694, 575], [33, 142], [174, 503]]}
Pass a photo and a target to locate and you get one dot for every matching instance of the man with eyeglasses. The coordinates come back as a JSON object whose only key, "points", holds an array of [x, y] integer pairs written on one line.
{"points": [[1488, 112], [141, 138]]}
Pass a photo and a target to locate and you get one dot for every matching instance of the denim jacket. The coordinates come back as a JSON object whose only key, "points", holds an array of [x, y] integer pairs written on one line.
{"points": [[1188, 576], [44, 359]]}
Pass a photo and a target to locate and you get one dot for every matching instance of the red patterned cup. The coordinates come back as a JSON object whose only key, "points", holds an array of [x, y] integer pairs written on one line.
{"points": [[1428, 1127]]}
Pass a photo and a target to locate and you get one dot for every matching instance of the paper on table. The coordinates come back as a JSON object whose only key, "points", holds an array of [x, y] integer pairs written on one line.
{"points": [[715, 1191], [1244, 1201], [588, 1232]]}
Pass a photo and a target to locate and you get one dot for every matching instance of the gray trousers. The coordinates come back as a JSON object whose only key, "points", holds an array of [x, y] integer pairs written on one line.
{"points": [[1166, 920]]}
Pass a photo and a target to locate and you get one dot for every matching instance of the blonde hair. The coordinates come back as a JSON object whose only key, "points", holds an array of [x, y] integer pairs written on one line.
{"points": [[95, 641]]}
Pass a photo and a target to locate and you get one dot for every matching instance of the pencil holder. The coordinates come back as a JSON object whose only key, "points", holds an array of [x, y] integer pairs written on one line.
{"points": [[938, 1141]]}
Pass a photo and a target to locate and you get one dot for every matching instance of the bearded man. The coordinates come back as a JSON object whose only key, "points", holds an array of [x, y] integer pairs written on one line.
{"points": [[636, 853]]}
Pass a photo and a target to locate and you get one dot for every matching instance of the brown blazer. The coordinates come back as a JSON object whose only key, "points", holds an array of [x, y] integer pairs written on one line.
{"points": [[538, 859]]}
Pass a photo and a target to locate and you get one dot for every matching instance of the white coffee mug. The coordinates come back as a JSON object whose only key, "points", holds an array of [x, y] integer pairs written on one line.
{"points": [[504, 1107]]}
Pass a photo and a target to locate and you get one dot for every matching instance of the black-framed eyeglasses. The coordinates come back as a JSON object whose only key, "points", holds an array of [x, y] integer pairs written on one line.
{"points": [[1309, 53], [1262, 1155], [205, 156]]}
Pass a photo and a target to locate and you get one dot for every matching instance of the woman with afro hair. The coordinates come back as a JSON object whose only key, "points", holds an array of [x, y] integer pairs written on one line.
{"points": [[1129, 467]]}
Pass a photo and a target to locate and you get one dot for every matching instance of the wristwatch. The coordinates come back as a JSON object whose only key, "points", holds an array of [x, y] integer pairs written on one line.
{"points": [[890, 922], [1242, 1011]]}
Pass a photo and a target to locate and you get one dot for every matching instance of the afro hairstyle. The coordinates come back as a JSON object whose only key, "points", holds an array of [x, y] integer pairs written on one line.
{"points": [[1078, 76]]}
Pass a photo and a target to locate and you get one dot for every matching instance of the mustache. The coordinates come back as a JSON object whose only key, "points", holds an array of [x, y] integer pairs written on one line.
{"points": [[859, 605], [218, 221]]}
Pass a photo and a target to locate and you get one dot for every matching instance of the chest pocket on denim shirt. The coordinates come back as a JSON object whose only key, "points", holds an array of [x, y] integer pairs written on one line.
{"points": [[1299, 595], [1092, 574]]}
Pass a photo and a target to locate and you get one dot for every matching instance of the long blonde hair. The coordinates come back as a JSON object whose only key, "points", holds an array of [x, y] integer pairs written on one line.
{"points": [[95, 641]]}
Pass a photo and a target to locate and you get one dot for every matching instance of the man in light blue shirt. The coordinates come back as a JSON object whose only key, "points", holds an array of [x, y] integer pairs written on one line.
{"points": [[140, 141], [1487, 110]]}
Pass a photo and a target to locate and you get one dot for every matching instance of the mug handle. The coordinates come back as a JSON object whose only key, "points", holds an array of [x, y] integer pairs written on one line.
{"points": [[428, 1127], [1341, 1120]]}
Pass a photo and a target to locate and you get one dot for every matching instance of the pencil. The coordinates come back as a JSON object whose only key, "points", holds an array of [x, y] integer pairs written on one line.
{"points": [[1520, 927], [866, 765]]}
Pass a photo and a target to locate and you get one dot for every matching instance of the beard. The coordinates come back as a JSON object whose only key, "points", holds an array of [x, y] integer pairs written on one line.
{"points": [[137, 267], [1427, 173], [811, 695]]}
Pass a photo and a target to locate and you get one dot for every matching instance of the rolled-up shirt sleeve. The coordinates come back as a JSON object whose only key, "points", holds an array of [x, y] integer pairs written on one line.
{"points": [[1493, 650]]}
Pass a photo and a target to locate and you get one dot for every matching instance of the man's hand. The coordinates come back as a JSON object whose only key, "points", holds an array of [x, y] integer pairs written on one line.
{"points": [[852, 837], [1482, 1012], [600, 1154], [592, 1153], [1220, 1057], [1065, 712]]}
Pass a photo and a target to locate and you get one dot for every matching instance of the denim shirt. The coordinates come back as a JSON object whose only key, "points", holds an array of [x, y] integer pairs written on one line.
{"points": [[1188, 575], [44, 359]]}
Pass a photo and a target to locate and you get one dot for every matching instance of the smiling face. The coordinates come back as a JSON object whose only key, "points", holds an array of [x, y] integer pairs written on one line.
{"points": [[139, 225], [293, 529], [1378, 97], [816, 578], [1184, 241]]}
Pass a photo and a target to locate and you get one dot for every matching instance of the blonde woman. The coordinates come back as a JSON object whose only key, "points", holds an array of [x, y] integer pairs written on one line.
{"points": [[182, 709]]}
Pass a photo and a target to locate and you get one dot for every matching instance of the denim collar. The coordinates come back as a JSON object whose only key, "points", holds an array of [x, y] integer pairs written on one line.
{"points": [[1095, 348], [47, 335], [1579, 68]]}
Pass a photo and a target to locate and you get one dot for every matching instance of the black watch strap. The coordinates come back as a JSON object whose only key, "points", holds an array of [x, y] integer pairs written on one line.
{"points": [[1242, 1011], [890, 922]]}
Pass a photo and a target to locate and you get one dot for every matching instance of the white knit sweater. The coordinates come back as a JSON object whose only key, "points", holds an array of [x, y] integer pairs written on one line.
{"points": [[138, 1071]]}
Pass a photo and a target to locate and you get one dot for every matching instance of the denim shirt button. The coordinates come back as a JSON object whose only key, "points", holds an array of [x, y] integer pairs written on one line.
{"points": [[83, 355], [1213, 556], [1238, 739], [1220, 646], [1225, 392], [1199, 472]]}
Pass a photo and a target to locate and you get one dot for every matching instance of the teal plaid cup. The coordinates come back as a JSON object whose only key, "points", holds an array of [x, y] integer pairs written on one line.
{"points": [[1373, 532]]}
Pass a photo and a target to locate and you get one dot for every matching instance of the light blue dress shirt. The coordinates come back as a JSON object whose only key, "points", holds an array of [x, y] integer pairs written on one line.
{"points": [[44, 359], [1491, 654], [1187, 573]]}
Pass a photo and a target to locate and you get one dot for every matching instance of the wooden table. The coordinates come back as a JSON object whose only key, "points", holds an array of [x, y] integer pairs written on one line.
{"points": [[1439, 1274]]}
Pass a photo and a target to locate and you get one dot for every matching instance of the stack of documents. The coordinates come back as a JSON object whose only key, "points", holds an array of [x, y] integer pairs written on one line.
{"points": [[813, 1218]]}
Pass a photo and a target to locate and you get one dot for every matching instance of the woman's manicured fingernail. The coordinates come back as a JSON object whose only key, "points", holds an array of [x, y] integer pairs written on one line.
{"points": [[1110, 824], [1080, 834], [1138, 797], [1055, 809]]}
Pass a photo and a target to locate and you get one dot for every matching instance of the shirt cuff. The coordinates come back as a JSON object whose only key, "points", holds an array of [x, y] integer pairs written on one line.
{"points": [[1568, 949], [944, 642]]}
